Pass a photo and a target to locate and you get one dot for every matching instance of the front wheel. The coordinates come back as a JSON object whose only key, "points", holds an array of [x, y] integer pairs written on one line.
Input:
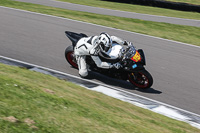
{"points": [[141, 79], [69, 55]]}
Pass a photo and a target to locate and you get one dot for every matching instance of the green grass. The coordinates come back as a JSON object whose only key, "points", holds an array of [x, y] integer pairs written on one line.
{"points": [[138, 8], [58, 106], [186, 34]]}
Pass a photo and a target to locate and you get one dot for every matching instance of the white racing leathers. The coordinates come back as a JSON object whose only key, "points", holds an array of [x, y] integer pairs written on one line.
{"points": [[90, 46]]}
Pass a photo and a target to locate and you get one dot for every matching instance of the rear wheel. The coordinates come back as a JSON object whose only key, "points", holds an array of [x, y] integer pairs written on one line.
{"points": [[69, 55], [141, 79]]}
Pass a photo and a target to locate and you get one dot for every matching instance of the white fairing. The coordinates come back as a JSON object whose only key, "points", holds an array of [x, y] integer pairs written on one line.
{"points": [[114, 51]]}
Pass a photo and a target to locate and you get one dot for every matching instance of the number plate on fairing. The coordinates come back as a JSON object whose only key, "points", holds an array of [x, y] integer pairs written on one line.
{"points": [[136, 57]]}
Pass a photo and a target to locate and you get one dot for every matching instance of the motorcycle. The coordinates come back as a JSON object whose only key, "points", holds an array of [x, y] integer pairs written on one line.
{"points": [[132, 61]]}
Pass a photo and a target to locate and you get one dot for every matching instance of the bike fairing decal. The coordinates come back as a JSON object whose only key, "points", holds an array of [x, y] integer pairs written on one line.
{"points": [[134, 66]]}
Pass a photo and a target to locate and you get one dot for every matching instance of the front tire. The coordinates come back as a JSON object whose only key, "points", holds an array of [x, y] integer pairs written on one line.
{"points": [[69, 55], [141, 79]]}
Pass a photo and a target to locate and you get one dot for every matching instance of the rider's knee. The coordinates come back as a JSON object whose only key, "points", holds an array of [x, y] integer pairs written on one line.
{"points": [[83, 73]]}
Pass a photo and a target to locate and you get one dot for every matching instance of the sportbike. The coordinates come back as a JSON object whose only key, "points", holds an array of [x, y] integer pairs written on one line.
{"points": [[132, 62]]}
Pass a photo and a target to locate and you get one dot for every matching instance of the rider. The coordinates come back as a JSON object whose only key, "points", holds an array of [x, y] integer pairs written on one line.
{"points": [[92, 46]]}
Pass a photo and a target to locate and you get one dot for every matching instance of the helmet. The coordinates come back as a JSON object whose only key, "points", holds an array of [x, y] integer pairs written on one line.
{"points": [[105, 42]]}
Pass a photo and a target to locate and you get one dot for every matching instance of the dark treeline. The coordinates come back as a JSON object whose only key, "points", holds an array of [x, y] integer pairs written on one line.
{"points": [[162, 4]]}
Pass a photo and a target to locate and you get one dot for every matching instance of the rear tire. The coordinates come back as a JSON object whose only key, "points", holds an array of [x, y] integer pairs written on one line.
{"points": [[69, 55], [141, 79]]}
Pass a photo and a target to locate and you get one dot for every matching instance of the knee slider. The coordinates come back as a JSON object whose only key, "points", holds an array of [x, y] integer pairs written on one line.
{"points": [[83, 73]]}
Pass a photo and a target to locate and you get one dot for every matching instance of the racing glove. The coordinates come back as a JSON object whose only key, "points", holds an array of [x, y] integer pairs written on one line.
{"points": [[127, 43]]}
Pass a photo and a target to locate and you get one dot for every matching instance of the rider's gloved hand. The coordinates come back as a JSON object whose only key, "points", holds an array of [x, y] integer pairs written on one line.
{"points": [[125, 43], [116, 65], [128, 43]]}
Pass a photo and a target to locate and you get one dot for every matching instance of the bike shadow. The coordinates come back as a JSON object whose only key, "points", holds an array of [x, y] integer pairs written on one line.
{"points": [[119, 83]]}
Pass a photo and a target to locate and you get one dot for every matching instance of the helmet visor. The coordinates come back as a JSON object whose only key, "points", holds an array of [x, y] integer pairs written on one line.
{"points": [[106, 49]]}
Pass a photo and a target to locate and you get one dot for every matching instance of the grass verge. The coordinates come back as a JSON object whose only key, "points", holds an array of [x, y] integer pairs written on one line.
{"points": [[137, 8], [34, 102], [186, 34]]}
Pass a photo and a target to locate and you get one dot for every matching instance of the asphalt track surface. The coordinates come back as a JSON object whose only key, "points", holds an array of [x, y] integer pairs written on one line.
{"points": [[40, 39], [77, 7]]}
